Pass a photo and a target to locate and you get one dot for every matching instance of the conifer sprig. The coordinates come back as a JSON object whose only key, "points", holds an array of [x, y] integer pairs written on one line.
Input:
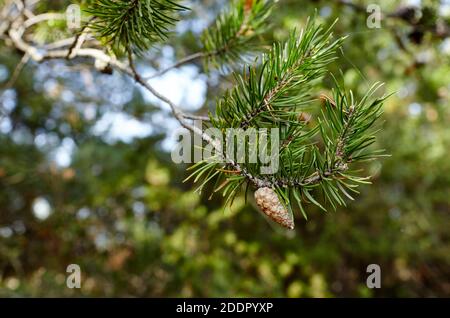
{"points": [[231, 38], [271, 95], [275, 90], [134, 23]]}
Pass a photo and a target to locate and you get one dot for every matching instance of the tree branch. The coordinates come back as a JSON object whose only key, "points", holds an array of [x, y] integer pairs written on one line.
{"points": [[43, 17], [15, 34], [187, 59]]}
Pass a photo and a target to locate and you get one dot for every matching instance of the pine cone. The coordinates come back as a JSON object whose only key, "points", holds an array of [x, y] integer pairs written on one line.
{"points": [[270, 204]]}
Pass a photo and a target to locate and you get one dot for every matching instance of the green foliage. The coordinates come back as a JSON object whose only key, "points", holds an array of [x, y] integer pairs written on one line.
{"points": [[236, 32], [121, 212], [275, 91], [275, 95], [134, 23]]}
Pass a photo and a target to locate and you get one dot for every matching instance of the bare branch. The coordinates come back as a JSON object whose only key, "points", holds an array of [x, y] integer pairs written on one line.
{"points": [[39, 56], [181, 62], [43, 17], [79, 40], [17, 71]]}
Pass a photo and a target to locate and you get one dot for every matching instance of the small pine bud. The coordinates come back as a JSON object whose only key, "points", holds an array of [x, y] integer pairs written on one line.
{"points": [[351, 110], [270, 205]]}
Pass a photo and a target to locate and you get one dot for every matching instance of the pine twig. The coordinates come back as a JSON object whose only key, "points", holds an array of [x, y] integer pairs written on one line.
{"points": [[183, 61]]}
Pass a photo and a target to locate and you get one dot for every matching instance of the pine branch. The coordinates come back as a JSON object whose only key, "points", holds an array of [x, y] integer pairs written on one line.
{"points": [[232, 37], [274, 91], [270, 96], [134, 23]]}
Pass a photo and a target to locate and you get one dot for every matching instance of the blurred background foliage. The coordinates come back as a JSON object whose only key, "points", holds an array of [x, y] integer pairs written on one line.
{"points": [[114, 203]]}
